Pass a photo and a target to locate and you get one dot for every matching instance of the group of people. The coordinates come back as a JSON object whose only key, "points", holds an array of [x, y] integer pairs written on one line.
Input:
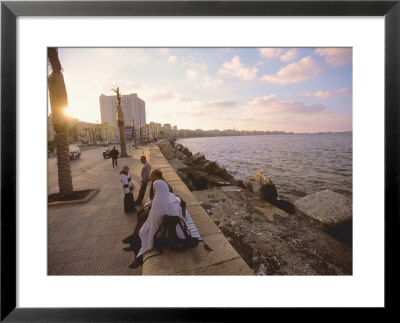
{"points": [[163, 203]]}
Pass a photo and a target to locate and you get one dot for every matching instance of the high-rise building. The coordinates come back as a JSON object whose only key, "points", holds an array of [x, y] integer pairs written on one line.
{"points": [[133, 107]]}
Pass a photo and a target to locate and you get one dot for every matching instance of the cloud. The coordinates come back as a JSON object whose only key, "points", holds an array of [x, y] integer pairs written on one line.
{"points": [[336, 56], [235, 68], [210, 108], [289, 55], [270, 104], [164, 96], [285, 55], [273, 113], [305, 95], [270, 52], [328, 94], [203, 80], [172, 59], [300, 71], [191, 74], [209, 83]]}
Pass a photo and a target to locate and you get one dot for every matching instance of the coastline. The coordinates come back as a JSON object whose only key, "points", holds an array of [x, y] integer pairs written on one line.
{"points": [[270, 239]]}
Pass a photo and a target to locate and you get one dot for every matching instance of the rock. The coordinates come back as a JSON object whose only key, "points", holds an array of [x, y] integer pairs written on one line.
{"points": [[198, 158], [285, 206], [210, 167], [186, 152], [263, 187], [332, 211], [185, 179], [198, 179]]}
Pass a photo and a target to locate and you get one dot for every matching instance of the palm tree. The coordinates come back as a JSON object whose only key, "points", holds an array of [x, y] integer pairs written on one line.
{"points": [[120, 118], [59, 102]]}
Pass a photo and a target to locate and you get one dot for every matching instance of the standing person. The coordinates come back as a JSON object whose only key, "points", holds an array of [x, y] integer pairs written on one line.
{"points": [[145, 175], [128, 187], [114, 155]]}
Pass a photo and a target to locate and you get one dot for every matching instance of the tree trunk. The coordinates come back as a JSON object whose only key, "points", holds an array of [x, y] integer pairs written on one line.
{"points": [[58, 103], [122, 138], [64, 168]]}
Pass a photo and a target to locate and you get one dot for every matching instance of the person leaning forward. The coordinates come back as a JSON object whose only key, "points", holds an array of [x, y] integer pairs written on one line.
{"points": [[145, 175], [156, 174]]}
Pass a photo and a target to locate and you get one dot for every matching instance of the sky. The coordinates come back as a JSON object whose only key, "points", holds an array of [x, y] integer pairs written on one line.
{"points": [[264, 89]]}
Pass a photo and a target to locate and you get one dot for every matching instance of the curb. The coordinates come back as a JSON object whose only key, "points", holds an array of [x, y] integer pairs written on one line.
{"points": [[91, 195]]}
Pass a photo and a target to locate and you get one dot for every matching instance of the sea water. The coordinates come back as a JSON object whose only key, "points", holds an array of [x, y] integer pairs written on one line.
{"points": [[298, 164]]}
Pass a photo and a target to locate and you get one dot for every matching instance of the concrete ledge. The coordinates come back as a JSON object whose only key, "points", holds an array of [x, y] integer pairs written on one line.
{"points": [[222, 260], [91, 195], [197, 259]]}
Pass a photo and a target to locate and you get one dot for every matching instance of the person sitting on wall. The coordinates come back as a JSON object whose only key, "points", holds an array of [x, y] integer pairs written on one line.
{"points": [[156, 174], [164, 204]]}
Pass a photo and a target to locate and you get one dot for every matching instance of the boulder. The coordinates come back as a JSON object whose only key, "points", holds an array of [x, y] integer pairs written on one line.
{"points": [[210, 167], [263, 187], [186, 152], [198, 179], [198, 158], [185, 179], [285, 206], [331, 210]]}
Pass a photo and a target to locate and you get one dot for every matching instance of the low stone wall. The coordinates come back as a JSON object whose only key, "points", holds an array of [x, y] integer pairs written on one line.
{"points": [[222, 260]]}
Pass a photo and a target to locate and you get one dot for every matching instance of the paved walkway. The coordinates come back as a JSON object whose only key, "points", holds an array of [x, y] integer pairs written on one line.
{"points": [[86, 239]]}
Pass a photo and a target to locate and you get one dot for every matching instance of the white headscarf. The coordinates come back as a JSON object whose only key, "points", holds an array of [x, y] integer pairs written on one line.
{"points": [[164, 203]]}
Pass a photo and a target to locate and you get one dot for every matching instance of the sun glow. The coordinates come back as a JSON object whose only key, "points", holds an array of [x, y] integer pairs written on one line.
{"points": [[67, 112]]}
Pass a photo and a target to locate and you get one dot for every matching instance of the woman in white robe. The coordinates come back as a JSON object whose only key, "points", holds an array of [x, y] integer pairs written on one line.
{"points": [[164, 203]]}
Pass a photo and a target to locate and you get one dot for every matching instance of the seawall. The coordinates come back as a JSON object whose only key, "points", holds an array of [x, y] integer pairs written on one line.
{"points": [[222, 260]]}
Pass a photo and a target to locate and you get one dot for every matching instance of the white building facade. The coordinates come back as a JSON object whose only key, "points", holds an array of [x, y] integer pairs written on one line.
{"points": [[133, 107]]}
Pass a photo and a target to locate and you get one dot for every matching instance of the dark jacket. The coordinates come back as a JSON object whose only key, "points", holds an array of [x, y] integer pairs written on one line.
{"points": [[114, 153]]}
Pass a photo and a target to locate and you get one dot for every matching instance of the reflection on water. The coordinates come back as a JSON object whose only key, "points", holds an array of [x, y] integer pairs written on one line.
{"points": [[297, 164]]}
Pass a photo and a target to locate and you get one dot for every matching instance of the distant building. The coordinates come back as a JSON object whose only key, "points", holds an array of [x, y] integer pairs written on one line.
{"points": [[85, 132], [133, 107], [154, 129], [167, 130], [167, 127]]}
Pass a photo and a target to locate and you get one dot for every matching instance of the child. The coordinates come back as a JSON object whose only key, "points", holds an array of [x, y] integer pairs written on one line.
{"points": [[129, 203]]}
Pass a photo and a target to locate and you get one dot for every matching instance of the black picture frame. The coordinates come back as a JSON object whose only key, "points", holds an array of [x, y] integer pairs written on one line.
{"points": [[10, 10]]}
